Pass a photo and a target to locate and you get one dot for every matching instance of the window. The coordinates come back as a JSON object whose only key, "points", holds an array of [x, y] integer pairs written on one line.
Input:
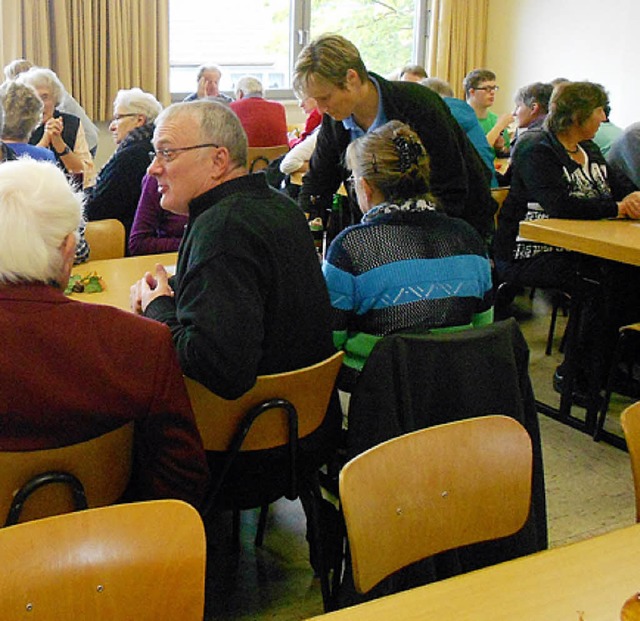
{"points": [[262, 38]]}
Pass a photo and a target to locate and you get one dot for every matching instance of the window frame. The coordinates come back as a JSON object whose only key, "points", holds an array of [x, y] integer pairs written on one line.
{"points": [[299, 36]]}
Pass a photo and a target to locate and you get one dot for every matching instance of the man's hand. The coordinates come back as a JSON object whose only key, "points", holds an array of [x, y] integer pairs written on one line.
{"points": [[202, 87], [148, 288]]}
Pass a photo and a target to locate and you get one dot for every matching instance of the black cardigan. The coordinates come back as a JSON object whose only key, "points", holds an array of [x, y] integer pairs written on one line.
{"points": [[459, 179]]}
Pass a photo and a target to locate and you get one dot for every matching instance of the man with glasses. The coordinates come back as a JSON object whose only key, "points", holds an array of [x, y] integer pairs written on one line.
{"points": [[480, 91], [355, 101], [248, 297]]}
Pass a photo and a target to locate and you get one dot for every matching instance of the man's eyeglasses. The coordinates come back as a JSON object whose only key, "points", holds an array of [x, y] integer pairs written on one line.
{"points": [[117, 117], [168, 155], [489, 89]]}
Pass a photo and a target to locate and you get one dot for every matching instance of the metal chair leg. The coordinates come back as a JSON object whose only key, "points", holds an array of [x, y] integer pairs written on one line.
{"points": [[617, 357], [262, 525], [552, 329]]}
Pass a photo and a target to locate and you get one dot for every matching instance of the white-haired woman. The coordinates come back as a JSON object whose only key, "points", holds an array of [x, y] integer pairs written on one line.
{"points": [[117, 189], [66, 376], [60, 132]]}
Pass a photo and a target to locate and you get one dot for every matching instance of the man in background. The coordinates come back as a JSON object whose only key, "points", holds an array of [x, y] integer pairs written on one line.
{"points": [[264, 121], [413, 73], [208, 78], [480, 90]]}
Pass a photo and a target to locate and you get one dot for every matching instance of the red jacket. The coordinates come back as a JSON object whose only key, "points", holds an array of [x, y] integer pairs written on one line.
{"points": [[72, 371], [264, 121]]}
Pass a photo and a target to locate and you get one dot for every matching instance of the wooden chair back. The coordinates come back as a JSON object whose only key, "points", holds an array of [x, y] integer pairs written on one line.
{"points": [[630, 420], [433, 490], [143, 561], [102, 465], [106, 239], [308, 389], [499, 195], [258, 158]]}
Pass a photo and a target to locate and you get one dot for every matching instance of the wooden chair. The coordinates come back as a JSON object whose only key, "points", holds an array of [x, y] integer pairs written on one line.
{"points": [[41, 483], [258, 158], [628, 335], [106, 239], [630, 420], [499, 195], [433, 490], [143, 561], [278, 411]]}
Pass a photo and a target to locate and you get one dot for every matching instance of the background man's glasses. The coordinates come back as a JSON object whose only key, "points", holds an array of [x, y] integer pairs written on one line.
{"points": [[489, 89]]}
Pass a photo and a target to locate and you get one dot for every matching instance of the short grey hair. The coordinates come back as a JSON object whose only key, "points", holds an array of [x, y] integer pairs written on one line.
{"points": [[22, 109], [438, 86], [38, 209], [217, 123], [202, 69], [41, 77], [249, 85], [16, 67], [137, 101]]}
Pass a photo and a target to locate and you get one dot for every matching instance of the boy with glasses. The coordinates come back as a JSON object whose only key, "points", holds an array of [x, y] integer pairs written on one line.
{"points": [[480, 91]]}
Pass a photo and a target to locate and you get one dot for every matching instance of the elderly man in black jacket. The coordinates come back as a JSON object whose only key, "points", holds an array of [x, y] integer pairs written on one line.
{"points": [[355, 101]]}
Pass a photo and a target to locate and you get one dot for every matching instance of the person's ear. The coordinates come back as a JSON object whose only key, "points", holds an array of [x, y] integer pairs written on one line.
{"points": [[141, 120], [220, 162], [68, 251], [367, 190], [352, 78]]}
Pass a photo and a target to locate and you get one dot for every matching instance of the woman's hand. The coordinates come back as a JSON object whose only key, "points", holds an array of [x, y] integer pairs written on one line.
{"points": [[629, 206]]}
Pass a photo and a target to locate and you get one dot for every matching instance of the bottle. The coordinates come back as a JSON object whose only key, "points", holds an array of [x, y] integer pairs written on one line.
{"points": [[317, 231], [334, 225]]}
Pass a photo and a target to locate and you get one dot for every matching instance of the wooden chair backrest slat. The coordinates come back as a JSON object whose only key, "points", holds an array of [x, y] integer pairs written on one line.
{"points": [[499, 195], [106, 239], [102, 464], [630, 420], [143, 561], [258, 158], [308, 389], [433, 490]]}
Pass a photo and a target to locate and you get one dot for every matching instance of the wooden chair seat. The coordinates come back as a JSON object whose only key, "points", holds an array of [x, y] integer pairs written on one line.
{"points": [[258, 158], [433, 490], [277, 412], [630, 420], [143, 561], [106, 239], [102, 465]]}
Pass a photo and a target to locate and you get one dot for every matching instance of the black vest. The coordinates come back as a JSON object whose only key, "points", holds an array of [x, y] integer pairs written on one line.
{"points": [[69, 133]]}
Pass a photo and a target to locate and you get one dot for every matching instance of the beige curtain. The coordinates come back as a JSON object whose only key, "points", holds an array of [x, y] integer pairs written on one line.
{"points": [[457, 39], [95, 46]]}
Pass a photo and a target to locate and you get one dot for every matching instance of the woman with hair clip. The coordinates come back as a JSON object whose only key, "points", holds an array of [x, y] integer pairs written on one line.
{"points": [[406, 264]]}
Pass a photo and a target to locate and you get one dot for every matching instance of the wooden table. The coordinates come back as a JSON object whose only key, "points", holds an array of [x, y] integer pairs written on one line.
{"points": [[118, 276], [593, 578], [617, 240]]}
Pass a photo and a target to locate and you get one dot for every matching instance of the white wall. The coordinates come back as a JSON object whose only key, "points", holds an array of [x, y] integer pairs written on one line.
{"points": [[539, 40]]}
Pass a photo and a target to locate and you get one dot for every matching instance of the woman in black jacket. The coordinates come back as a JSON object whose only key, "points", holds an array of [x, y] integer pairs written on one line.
{"points": [[118, 186], [559, 172]]}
